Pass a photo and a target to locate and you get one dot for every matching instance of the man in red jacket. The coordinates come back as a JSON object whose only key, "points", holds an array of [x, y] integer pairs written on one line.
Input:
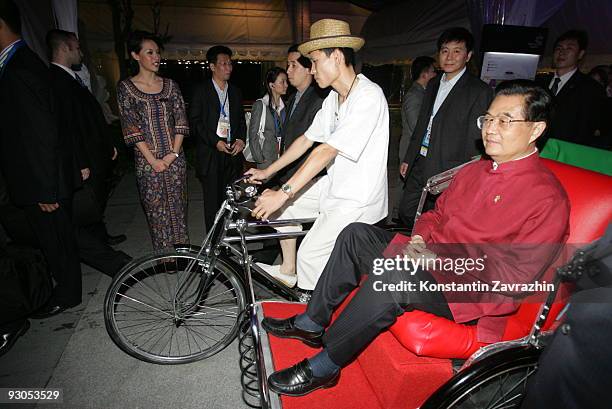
{"points": [[509, 199]]}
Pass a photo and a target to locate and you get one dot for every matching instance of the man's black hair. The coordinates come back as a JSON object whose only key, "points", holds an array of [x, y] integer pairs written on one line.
{"points": [[538, 102], [55, 38], [134, 43], [349, 54], [581, 37], [9, 13], [458, 34], [214, 51], [419, 65], [304, 61]]}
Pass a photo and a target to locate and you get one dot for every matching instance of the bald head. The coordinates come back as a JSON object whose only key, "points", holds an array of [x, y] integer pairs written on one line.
{"points": [[10, 23]]}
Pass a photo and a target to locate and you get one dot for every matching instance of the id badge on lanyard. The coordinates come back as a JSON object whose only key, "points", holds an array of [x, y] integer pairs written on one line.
{"points": [[223, 126], [223, 129], [425, 143]]}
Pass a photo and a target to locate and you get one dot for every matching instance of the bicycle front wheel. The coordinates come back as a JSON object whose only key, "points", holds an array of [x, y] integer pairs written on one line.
{"points": [[171, 308]]}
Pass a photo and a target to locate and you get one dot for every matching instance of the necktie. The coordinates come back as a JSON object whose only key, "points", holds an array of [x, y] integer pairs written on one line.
{"points": [[555, 85], [79, 80]]}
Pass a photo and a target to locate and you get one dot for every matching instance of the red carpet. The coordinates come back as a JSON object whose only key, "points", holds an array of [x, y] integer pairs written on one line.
{"points": [[353, 390]]}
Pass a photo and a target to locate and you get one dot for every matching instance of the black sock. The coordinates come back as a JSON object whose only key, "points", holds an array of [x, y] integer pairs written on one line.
{"points": [[322, 365], [303, 321]]}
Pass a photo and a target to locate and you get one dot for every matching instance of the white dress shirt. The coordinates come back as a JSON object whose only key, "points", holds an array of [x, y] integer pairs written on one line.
{"points": [[564, 79], [446, 86]]}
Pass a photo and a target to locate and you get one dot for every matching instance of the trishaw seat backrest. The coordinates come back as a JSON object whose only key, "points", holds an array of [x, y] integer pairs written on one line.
{"points": [[590, 196]]}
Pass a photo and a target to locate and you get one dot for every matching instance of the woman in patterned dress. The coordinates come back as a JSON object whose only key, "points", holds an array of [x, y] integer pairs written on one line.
{"points": [[154, 122]]}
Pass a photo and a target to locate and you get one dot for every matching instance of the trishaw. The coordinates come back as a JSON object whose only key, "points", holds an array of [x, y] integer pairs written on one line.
{"points": [[188, 304]]}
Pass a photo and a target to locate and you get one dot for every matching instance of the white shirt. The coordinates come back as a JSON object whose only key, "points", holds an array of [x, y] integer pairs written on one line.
{"points": [[359, 130], [5, 52], [223, 100], [446, 86], [68, 70], [564, 79]]}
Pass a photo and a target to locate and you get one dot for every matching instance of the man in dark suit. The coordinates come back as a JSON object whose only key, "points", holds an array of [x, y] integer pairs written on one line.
{"points": [[82, 117], [302, 107], [446, 134], [422, 71], [36, 160], [579, 100], [217, 118]]}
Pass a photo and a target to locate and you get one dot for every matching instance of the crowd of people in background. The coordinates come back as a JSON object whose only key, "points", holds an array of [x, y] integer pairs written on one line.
{"points": [[56, 157]]}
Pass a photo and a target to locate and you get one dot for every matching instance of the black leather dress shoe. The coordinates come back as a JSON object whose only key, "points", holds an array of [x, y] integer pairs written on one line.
{"points": [[113, 240], [286, 329], [299, 380], [47, 310], [8, 338]]}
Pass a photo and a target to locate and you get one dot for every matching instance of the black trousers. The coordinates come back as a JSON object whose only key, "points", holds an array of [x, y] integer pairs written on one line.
{"points": [[369, 312], [96, 253], [574, 369], [55, 233], [100, 188], [411, 195], [213, 188], [91, 248]]}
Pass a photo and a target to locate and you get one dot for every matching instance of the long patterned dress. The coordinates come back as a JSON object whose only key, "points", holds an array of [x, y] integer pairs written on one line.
{"points": [[156, 119]]}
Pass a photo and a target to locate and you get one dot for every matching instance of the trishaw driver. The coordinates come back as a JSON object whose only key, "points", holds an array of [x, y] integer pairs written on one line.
{"points": [[353, 129]]}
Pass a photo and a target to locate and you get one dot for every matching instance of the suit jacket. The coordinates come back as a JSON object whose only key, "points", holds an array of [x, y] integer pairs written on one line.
{"points": [[455, 138], [295, 125], [413, 99], [81, 117], [203, 118], [35, 158], [268, 153], [577, 110]]}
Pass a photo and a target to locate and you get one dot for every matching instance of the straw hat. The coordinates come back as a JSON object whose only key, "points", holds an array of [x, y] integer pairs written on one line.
{"points": [[330, 33]]}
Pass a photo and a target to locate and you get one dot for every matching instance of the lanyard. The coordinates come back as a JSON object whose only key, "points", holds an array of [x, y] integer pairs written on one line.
{"points": [[11, 52], [277, 120], [222, 107]]}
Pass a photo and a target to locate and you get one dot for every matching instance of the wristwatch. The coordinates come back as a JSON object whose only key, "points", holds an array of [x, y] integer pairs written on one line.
{"points": [[175, 154], [288, 190]]}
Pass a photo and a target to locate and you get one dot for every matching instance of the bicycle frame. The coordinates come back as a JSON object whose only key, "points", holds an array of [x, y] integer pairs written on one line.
{"points": [[219, 238]]}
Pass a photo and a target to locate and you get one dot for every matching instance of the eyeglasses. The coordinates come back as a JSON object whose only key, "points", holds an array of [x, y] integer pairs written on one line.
{"points": [[504, 123]]}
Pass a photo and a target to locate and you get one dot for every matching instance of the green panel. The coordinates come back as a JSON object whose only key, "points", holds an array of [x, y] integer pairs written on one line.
{"points": [[598, 160]]}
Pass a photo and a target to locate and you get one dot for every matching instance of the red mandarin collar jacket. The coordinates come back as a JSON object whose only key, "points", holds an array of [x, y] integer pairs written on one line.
{"points": [[514, 203]]}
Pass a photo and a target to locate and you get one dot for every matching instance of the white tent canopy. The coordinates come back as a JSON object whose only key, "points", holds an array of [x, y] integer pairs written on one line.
{"points": [[405, 30], [254, 29]]}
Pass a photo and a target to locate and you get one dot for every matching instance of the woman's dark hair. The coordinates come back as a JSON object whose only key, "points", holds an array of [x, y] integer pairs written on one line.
{"points": [[214, 51], [538, 101], [304, 61], [419, 65], [271, 77], [458, 34], [134, 43], [9, 13]]}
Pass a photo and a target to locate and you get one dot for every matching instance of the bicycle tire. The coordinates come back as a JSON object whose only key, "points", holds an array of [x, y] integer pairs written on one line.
{"points": [[186, 320], [482, 384]]}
